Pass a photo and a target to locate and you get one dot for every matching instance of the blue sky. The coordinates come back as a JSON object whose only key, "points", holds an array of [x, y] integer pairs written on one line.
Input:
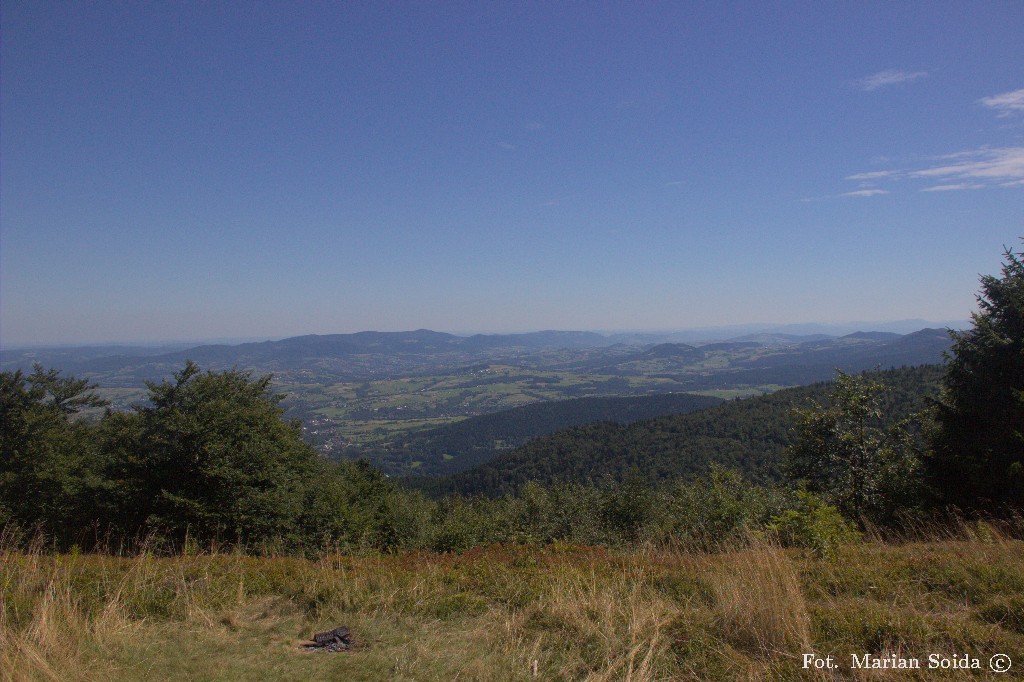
{"points": [[200, 170]]}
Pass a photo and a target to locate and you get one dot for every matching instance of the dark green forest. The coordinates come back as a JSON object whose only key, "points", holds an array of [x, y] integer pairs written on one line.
{"points": [[463, 445], [209, 458], [749, 436]]}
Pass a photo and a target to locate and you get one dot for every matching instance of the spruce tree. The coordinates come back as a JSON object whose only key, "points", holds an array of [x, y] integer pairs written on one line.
{"points": [[978, 458]]}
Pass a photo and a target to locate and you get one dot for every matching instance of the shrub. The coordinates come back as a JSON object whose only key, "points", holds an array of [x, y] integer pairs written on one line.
{"points": [[812, 524]]}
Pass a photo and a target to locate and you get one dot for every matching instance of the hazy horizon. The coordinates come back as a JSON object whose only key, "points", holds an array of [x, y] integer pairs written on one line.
{"points": [[699, 333], [216, 170]]}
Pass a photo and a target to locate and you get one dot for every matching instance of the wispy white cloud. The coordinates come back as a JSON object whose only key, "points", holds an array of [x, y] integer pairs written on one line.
{"points": [[970, 169], [1006, 103], [995, 164], [951, 188], [873, 175], [865, 193], [964, 170], [888, 77]]}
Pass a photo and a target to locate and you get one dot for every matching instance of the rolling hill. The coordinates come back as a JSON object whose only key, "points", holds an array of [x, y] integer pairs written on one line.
{"points": [[460, 446], [748, 434], [375, 394]]}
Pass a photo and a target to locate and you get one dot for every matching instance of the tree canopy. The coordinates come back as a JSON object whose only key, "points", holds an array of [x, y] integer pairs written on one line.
{"points": [[978, 458], [211, 454], [846, 451], [48, 463], [209, 457]]}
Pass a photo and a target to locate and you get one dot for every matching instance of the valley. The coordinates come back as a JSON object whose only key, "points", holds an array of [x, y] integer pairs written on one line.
{"points": [[378, 395]]}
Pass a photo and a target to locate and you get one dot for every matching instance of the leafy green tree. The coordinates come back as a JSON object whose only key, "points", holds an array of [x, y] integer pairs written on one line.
{"points": [[48, 464], [211, 456], [67, 395], [978, 459], [846, 454]]}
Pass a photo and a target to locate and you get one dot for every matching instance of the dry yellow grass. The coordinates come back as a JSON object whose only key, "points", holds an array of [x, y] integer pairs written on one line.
{"points": [[759, 603], [570, 613]]}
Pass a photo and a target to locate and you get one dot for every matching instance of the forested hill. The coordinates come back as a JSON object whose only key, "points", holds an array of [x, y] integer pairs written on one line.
{"points": [[749, 435], [463, 445]]}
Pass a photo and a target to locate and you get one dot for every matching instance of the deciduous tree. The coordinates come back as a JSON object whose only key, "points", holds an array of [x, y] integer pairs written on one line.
{"points": [[211, 456], [845, 454], [48, 462]]}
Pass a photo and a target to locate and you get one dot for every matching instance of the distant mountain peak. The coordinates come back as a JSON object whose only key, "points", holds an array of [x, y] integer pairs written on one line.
{"points": [[873, 336]]}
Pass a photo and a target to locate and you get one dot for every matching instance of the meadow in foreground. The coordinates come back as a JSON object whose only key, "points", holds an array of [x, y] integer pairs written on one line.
{"points": [[515, 612]]}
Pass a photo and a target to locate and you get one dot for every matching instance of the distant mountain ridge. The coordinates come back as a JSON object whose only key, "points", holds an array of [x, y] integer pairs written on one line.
{"points": [[420, 341], [777, 339], [781, 359], [873, 336], [771, 361], [301, 352]]}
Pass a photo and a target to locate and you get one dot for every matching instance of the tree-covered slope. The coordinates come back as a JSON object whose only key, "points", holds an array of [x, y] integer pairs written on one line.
{"points": [[463, 445], [749, 435]]}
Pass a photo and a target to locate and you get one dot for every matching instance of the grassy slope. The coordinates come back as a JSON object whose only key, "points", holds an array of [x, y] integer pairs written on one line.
{"points": [[581, 613]]}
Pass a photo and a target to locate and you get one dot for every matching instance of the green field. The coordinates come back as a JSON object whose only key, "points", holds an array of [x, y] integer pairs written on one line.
{"points": [[378, 413], [355, 415]]}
